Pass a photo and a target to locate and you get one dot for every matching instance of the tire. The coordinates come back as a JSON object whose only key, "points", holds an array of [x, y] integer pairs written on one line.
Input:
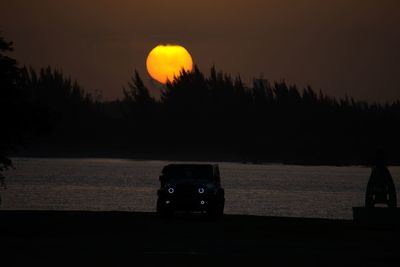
{"points": [[216, 211], [162, 210]]}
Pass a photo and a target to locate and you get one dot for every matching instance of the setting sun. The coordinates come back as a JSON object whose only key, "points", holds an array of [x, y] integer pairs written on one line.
{"points": [[165, 62]]}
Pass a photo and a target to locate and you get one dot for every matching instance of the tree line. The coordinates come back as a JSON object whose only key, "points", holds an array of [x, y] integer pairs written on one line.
{"points": [[199, 116]]}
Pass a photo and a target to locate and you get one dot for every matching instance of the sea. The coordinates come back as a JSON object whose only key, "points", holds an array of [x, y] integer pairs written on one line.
{"points": [[103, 184]]}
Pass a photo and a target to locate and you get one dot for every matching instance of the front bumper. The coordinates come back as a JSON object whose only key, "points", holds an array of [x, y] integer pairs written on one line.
{"points": [[197, 203]]}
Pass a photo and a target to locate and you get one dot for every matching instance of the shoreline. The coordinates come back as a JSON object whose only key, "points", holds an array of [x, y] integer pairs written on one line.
{"points": [[41, 150], [185, 159]]}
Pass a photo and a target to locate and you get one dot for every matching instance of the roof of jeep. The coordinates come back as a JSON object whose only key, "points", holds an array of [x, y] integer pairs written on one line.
{"points": [[192, 167]]}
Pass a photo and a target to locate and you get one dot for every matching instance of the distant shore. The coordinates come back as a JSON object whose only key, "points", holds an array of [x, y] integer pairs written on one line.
{"points": [[193, 240], [201, 157]]}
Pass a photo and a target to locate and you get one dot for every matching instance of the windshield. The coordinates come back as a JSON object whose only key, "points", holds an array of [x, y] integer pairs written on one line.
{"points": [[188, 172]]}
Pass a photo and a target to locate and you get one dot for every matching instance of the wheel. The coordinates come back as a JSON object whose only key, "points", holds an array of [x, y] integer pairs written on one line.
{"points": [[216, 210], [163, 210]]}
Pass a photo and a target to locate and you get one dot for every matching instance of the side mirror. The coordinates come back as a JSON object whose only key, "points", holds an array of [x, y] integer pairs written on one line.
{"points": [[162, 180]]}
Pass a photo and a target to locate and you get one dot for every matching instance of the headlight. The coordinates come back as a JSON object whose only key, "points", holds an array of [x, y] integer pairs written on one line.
{"points": [[201, 190], [171, 190]]}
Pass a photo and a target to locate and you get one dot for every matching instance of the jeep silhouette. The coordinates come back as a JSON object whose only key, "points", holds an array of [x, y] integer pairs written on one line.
{"points": [[190, 187]]}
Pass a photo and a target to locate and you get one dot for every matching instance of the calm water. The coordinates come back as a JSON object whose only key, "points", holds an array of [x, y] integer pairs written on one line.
{"points": [[131, 185]]}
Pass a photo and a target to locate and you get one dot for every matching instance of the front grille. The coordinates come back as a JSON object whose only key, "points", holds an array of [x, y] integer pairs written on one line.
{"points": [[186, 190]]}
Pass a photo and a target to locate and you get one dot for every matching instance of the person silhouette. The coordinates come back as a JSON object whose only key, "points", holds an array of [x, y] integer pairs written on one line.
{"points": [[380, 188]]}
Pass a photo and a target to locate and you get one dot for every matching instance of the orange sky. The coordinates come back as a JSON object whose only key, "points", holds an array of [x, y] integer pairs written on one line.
{"points": [[342, 46]]}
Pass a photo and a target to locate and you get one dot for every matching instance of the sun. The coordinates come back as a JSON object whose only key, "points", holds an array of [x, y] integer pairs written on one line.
{"points": [[165, 62]]}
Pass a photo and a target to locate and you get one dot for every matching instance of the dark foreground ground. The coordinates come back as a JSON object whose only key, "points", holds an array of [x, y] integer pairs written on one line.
{"points": [[72, 238]]}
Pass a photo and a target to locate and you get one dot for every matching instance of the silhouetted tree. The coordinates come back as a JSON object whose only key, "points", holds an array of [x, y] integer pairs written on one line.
{"points": [[137, 96], [140, 110], [199, 115], [10, 104], [50, 88]]}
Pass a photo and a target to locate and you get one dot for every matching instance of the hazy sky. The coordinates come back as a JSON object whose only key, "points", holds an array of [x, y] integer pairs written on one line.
{"points": [[341, 47]]}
